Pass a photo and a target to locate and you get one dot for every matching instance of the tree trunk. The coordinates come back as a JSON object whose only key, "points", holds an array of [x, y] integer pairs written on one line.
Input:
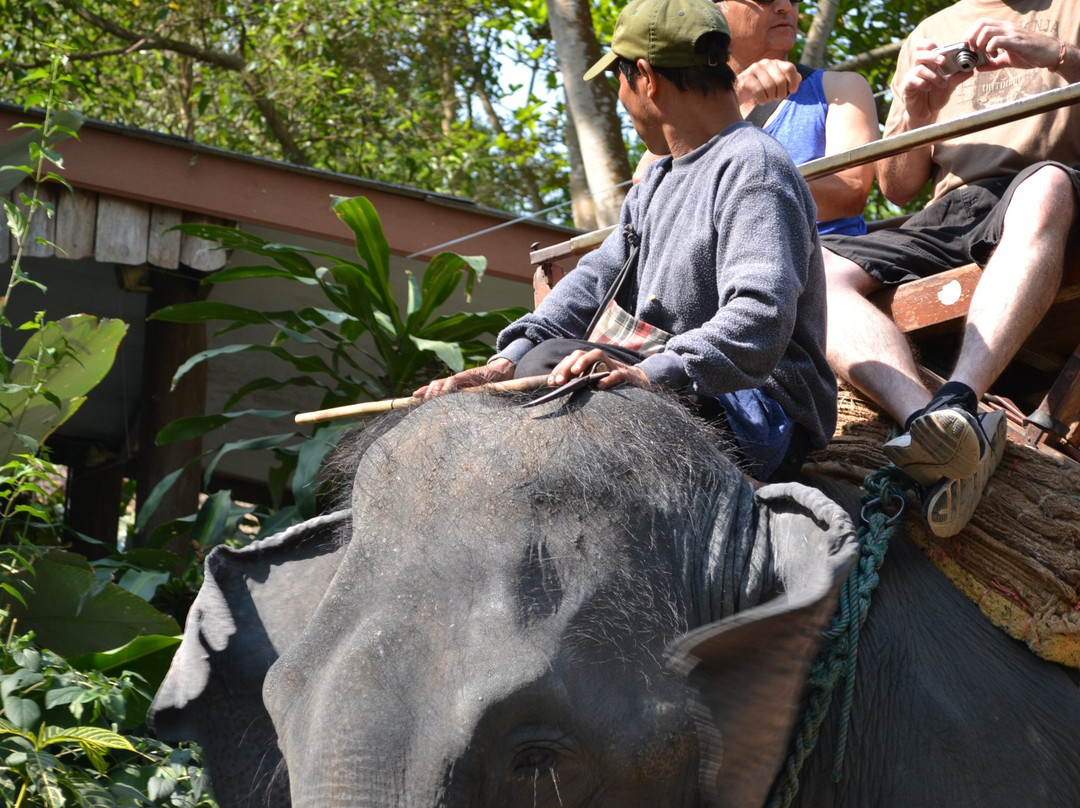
{"points": [[817, 40], [592, 107], [582, 205]]}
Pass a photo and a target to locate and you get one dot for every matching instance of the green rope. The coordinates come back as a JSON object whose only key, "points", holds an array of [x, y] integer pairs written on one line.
{"points": [[836, 661]]}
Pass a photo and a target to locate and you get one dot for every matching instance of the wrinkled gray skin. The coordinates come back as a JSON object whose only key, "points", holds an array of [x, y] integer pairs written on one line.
{"points": [[585, 604]]}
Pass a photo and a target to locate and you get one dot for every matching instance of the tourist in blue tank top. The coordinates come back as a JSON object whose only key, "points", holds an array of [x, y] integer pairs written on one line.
{"points": [[826, 113]]}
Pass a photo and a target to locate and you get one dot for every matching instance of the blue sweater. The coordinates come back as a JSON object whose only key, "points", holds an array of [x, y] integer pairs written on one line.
{"points": [[729, 264]]}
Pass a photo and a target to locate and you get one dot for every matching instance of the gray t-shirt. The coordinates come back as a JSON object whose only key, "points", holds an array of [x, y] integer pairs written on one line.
{"points": [[730, 265]]}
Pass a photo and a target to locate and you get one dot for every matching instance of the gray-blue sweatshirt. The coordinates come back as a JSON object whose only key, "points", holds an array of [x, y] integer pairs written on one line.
{"points": [[729, 264]]}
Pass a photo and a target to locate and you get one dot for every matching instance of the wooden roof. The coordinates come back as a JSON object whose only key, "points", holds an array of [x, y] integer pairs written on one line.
{"points": [[176, 177]]}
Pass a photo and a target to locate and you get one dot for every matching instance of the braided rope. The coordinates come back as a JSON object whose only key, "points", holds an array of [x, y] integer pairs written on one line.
{"points": [[837, 659]]}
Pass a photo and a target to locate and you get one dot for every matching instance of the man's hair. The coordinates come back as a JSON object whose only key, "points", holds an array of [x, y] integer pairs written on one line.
{"points": [[715, 75]]}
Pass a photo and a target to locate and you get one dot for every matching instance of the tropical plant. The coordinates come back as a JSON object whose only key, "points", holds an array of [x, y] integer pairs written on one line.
{"points": [[70, 729], [363, 344], [62, 739]]}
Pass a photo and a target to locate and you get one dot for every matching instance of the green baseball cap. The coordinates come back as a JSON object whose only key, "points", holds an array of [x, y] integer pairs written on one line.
{"points": [[662, 32]]}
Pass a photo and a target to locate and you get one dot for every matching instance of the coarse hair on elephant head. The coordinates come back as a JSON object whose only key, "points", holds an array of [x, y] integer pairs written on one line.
{"points": [[582, 603]]}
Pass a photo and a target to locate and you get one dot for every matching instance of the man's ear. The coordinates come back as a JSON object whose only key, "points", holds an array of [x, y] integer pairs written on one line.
{"points": [[650, 76]]}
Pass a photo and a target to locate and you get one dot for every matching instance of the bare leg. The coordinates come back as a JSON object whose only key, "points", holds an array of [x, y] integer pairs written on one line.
{"points": [[864, 346], [1021, 278]]}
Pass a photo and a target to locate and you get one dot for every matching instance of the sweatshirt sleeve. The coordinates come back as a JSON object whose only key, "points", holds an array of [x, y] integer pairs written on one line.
{"points": [[569, 308]]}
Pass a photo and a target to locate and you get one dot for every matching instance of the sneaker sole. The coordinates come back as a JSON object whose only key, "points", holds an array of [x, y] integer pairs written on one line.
{"points": [[951, 503], [939, 444]]}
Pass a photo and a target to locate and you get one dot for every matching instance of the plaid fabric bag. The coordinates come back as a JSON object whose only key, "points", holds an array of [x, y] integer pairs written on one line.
{"points": [[617, 326], [614, 325]]}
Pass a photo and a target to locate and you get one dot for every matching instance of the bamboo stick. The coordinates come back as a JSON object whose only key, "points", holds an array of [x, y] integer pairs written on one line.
{"points": [[868, 153], [387, 404]]}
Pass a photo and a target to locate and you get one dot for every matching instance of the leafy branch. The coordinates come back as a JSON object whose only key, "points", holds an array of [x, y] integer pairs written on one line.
{"points": [[233, 62]]}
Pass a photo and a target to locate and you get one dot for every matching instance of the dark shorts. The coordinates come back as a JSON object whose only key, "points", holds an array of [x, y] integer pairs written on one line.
{"points": [[962, 227]]}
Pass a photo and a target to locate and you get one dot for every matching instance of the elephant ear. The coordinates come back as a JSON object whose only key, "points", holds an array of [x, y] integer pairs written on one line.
{"points": [[748, 671], [253, 604]]}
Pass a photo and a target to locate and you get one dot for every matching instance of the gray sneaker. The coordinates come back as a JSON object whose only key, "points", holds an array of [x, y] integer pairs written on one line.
{"points": [[943, 443], [949, 505]]}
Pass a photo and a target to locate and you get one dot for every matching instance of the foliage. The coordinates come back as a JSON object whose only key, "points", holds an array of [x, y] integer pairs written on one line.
{"points": [[862, 27], [49, 378], [31, 156], [64, 738], [465, 100], [64, 723], [71, 730], [394, 91], [61, 361], [364, 344]]}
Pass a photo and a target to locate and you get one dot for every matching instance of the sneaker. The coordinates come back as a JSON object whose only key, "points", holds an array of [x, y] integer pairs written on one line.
{"points": [[949, 505], [943, 443]]}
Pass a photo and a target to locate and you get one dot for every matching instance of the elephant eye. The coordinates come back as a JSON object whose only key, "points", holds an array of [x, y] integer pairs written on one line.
{"points": [[533, 759]]}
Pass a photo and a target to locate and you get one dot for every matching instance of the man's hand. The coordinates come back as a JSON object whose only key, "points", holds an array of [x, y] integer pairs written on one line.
{"points": [[1008, 45], [580, 363], [497, 370], [764, 81], [923, 89]]}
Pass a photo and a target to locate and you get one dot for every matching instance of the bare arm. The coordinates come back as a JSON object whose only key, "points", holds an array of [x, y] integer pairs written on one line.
{"points": [[851, 121], [918, 96], [922, 91]]}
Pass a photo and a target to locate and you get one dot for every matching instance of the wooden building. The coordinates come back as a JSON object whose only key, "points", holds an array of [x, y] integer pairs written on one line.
{"points": [[119, 258]]}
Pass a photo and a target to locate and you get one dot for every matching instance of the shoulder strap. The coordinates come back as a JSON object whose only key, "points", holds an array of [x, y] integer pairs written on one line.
{"points": [[633, 241], [760, 114]]}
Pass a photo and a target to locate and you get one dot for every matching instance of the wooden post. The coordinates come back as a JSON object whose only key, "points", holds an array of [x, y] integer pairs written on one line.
{"points": [[166, 346], [93, 500]]}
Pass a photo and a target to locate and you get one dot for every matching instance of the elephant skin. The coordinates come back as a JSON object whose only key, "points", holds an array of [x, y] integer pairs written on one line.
{"points": [[586, 603]]}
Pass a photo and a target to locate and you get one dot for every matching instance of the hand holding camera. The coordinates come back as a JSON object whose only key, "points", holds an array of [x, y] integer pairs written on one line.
{"points": [[959, 58]]}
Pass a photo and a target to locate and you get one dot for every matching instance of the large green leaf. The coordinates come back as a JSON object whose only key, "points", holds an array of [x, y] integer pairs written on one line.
{"points": [[149, 656], [449, 353], [57, 367], [93, 736], [71, 613], [441, 278], [195, 426], [245, 445], [467, 326], [312, 453], [201, 311], [374, 250]]}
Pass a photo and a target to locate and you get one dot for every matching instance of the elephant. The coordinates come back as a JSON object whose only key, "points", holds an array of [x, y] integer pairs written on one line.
{"points": [[587, 603]]}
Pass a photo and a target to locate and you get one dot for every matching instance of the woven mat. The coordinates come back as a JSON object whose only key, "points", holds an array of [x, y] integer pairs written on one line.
{"points": [[1018, 558]]}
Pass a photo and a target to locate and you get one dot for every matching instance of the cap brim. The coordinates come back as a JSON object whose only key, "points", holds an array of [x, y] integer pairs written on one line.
{"points": [[605, 63]]}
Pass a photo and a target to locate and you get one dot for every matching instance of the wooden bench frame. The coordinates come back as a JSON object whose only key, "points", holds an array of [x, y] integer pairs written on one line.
{"points": [[945, 298]]}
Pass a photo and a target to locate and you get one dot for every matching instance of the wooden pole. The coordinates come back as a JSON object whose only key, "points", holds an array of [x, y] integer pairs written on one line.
{"points": [[387, 404], [868, 153]]}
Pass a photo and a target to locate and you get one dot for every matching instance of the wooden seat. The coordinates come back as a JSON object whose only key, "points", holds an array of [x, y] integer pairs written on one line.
{"points": [[932, 311]]}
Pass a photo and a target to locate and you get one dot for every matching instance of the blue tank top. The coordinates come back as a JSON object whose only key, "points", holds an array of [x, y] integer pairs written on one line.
{"points": [[799, 125]]}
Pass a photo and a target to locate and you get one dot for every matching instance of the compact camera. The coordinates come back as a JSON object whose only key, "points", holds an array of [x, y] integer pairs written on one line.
{"points": [[959, 58]]}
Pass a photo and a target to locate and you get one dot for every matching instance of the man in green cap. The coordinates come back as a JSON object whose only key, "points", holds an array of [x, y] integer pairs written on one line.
{"points": [[722, 292]]}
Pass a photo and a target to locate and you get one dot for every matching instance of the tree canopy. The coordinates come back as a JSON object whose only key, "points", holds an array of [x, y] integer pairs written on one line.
{"points": [[464, 98]]}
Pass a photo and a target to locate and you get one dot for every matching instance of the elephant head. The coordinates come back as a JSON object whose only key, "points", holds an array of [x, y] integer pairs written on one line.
{"points": [[583, 604]]}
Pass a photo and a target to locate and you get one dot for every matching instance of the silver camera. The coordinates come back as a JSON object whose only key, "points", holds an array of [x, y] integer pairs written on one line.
{"points": [[959, 58]]}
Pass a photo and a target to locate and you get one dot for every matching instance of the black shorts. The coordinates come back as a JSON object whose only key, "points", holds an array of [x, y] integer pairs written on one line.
{"points": [[962, 227]]}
